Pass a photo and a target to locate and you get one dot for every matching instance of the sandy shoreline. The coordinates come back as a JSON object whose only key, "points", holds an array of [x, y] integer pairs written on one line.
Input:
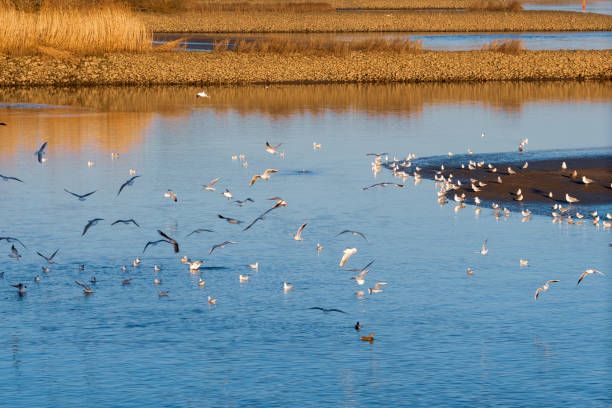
{"points": [[228, 68], [368, 21], [540, 178]]}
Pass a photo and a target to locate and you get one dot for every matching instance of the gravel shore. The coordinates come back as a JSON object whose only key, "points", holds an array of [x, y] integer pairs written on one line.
{"points": [[168, 68], [368, 21]]}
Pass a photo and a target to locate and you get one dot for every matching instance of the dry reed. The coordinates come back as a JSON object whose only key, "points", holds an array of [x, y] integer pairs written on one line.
{"points": [[496, 5], [506, 46], [285, 46], [84, 30]]}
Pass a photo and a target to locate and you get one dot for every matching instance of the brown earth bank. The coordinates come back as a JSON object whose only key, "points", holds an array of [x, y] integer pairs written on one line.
{"points": [[536, 181], [223, 68], [406, 21]]}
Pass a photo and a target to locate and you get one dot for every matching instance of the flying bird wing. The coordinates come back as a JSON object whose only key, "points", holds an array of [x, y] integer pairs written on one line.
{"points": [[83, 285], [299, 231], [154, 243], [171, 240], [11, 239], [7, 178], [199, 230], [127, 183]]}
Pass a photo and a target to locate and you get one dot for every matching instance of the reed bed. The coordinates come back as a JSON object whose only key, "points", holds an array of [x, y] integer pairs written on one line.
{"points": [[285, 46], [505, 46], [78, 30]]}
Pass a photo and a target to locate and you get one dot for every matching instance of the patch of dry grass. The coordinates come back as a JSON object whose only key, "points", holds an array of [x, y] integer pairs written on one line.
{"points": [[496, 5], [505, 46], [285, 46], [82, 30]]}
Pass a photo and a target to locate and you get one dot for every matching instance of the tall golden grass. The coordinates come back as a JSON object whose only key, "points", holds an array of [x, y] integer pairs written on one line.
{"points": [[496, 5], [286, 46], [505, 46], [84, 30]]}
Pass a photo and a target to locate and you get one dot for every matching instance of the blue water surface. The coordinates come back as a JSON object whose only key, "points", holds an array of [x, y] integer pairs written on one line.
{"points": [[442, 338]]}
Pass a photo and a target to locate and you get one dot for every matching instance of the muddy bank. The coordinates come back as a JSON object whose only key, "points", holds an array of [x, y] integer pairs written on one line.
{"points": [[407, 21], [536, 182], [199, 68]]}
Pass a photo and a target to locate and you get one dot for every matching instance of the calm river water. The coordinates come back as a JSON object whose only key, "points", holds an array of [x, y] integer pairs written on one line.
{"points": [[442, 338]]}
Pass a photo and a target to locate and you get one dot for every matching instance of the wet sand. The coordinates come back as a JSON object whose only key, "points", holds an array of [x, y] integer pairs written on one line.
{"points": [[536, 181]]}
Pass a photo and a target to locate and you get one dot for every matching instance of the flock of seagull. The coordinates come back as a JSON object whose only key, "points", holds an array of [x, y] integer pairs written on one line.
{"points": [[400, 168]]}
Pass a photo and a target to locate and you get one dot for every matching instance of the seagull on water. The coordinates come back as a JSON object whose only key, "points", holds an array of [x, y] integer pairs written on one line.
{"points": [[210, 185], [194, 266], [202, 94], [544, 288], [254, 266], [571, 199], [484, 250], [589, 272], [170, 194], [212, 301], [50, 258], [90, 224], [287, 287], [243, 278], [127, 183], [81, 197], [523, 262], [40, 152], [221, 245], [86, 288], [298, 235], [348, 252]]}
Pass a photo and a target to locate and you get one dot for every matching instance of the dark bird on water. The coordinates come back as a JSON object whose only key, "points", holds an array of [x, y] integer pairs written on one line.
{"points": [[21, 288], [357, 326]]}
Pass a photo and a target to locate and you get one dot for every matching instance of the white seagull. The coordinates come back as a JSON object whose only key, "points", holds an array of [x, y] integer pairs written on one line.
{"points": [[348, 252]]}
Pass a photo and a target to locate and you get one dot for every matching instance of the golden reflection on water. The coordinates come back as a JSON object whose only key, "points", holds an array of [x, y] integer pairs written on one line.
{"points": [[116, 119]]}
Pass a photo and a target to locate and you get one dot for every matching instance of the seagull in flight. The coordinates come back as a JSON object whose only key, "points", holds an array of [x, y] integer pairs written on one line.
{"points": [[86, 288], [127, 183], [7, 178], [272, 149], [14, 253], [265, 176], [130, 221], [327, 310], [221, 245], [353, 233], [362, 273], [49, 259], [385, 184], [81, 197], [40, 152], [90, 224], [227, 194], [210, 185], [544, 288], [279, 203], [154, 243], [10, 240], [376, 288], [589, 272], [347, 254], [230, 220], [376, 154], [298, 235], [199, 231], [170, 240], [243, 202]]}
